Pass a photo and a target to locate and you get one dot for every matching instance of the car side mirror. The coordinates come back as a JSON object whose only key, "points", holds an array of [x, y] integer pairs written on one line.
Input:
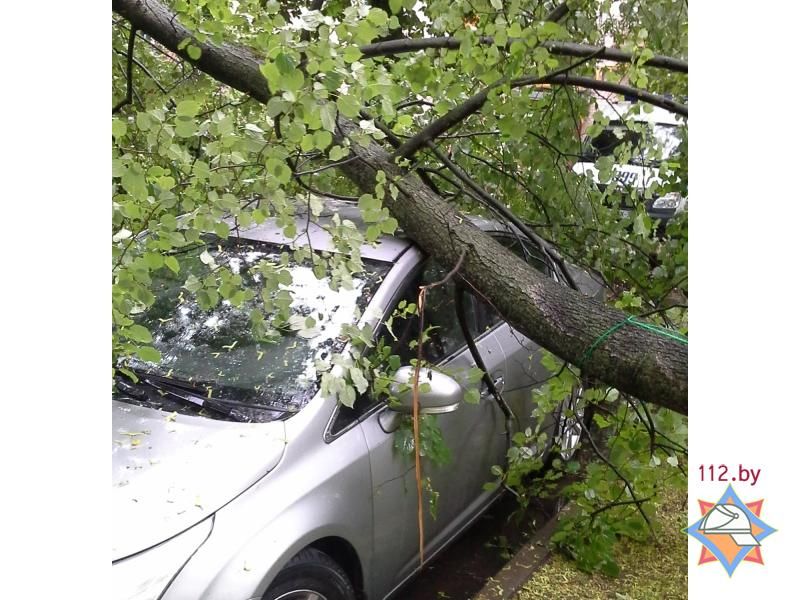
{"points": [[438, 393]]}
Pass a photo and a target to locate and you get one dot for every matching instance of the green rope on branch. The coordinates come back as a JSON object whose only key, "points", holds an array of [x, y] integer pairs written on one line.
{"points": [[631, 320]]}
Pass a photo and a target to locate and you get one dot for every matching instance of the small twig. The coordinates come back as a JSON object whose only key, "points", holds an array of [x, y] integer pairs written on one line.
{"points": [[333, 195], [128, 74], [513, 178], [614, 504], [326, 167], [650, 425], [134, 236], [628, 486], [410, 103], [488, 199]]}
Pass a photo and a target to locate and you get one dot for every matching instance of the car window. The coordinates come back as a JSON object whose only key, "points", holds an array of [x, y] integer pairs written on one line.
{"points": [[527, 251], [486, 316], [400, 330], [618, 133], [222, 349]]}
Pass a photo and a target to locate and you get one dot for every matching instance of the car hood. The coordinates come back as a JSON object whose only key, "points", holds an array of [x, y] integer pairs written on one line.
{"points": [[171, 471]]}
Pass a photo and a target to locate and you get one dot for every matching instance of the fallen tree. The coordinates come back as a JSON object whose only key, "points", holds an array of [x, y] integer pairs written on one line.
{"points": [[635, 360]]}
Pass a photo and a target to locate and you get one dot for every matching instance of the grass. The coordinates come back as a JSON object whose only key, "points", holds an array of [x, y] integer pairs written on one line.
{"points": [[648, 571]]}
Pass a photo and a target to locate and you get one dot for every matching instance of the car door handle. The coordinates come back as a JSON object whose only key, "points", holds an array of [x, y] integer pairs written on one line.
{"points": [[498, 382]]}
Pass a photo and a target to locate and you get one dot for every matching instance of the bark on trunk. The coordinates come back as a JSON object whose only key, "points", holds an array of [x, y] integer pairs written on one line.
{"points": [[639, 362]]}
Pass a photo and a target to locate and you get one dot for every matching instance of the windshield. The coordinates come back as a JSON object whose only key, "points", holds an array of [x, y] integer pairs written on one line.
{"points": [[219, 348], [664, 137]]}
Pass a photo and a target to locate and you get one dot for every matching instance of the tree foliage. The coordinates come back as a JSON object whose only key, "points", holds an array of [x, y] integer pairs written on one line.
{"points": [[193, 156]]}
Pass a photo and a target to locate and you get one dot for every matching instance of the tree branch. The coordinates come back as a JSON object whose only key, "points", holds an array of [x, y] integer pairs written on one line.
{"points": [[617, 88], [471, 106], [636, 500], [402, 46], [640, 362], [558, 13], [499, 207], [129, 75]]}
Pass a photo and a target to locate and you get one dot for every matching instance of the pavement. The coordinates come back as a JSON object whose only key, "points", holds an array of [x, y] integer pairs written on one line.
{"points": [[491, 560]]}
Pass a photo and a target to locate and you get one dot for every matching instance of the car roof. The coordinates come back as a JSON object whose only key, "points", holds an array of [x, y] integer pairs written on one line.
{"points": [[387, 249]]}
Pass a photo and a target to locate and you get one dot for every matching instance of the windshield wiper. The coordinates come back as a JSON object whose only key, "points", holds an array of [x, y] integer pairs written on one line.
{"points": [[192, 393], [134, 389]]}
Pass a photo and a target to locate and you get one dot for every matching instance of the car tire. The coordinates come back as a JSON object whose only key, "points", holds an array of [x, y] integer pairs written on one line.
{"points": [[569, 430], [311, 575]]}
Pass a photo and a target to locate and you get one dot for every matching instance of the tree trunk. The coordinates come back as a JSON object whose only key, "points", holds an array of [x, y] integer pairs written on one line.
{"points": [[639, 362]]}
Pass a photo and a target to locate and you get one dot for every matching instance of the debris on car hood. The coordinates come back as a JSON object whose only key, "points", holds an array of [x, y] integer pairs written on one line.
{"points": [[171, 471]]}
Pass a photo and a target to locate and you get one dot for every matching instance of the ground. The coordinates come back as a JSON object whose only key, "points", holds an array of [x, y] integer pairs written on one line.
{"points": [[649, 571]]}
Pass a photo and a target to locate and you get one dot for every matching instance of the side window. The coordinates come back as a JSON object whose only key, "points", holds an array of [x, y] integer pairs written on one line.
{"points": [[400, 333], [527, 251], [485, 315], [444, 336], [441, 320]]}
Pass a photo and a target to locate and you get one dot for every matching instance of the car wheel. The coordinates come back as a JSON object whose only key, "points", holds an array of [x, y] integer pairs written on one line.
{"points": [[311, 575], [569, 429]]}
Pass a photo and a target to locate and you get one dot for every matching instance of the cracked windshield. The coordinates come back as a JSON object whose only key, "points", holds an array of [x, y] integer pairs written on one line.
{"points": [[259, 343]]}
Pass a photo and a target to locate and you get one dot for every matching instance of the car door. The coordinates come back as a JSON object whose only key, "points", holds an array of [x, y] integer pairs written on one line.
{"points": [[474, 434]]}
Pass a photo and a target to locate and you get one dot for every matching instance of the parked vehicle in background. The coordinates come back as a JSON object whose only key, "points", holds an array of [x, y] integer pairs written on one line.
{"points": [[236, 477], [652, 136]]}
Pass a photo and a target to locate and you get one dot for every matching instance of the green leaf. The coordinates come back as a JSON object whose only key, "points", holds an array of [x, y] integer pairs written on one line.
{"points": [[337, 153], [641, 225], [472, 396], [172, 263], [377, 16], [285, 63], [187, 108], [118, 128], [153, 260], [279, 169], [475, 375], [327, 114], [322, 139], [194, 52], [349, 106], [222, 230], [357, 377], [293, 80], [134, 182], [351, 54], [348, 396], [149, 354], [389, 225], [138, 333], [185, 127]]}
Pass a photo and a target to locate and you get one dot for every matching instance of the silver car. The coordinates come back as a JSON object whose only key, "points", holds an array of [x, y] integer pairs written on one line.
{"points": [[235, 477]]}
